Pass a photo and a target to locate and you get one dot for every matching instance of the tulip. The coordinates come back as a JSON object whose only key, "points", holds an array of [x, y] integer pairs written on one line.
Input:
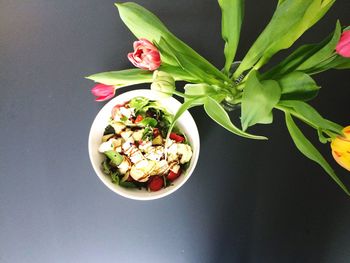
{"points": [[163, 83], [341, 148], [343, 46], [103, 92], [145, 55]]}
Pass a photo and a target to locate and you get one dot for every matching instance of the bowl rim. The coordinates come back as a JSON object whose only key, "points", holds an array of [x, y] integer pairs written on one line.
{"points": [[193, 136]]}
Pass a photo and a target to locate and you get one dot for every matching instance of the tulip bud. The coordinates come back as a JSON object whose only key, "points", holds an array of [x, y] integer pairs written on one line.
{"points": [[103, 92], [343, 46], [145, 55], [341, 149], [163, 83]]}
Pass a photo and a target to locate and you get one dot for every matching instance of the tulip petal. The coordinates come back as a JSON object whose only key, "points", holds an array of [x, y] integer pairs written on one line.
{"points": [[103, 92], [145, 56], [343, 46], [341, 149]]}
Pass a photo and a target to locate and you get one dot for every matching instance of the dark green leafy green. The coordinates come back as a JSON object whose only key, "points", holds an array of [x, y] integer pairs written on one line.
{"points": [[115, 178], [105, 166], [109, 130], [148, 122], [258, 100], [216, 112], [306, 148], [231, 22], [138, 103], [127, 184]]}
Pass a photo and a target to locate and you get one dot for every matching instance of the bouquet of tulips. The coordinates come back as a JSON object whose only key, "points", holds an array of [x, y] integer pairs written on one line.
{"points": [[162, 59]]}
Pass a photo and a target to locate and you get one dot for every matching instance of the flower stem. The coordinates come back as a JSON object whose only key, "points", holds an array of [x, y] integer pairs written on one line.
{"points": [[302, 118]]}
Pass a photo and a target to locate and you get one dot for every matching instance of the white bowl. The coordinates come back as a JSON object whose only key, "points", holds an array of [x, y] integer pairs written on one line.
{"points": [[185, 123]]}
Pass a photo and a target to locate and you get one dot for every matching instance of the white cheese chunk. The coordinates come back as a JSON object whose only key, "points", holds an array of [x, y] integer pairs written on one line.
{"points": [[127, 112], [119, 149], [138, 135], [145, 145], [175, 168], [106, 146], [136, 156], [185, 151], [125, 165], [118, 127], [161, 168], [155, 153], [142, 170], [126, 134], [126, 146]]}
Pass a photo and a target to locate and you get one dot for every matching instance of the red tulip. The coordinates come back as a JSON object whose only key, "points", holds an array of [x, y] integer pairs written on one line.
{"points": [[145, 55], [343, 46], [103, 92]]}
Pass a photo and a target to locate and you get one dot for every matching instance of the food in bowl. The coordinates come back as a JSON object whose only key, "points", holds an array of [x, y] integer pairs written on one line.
{"points": [[139, 151]]}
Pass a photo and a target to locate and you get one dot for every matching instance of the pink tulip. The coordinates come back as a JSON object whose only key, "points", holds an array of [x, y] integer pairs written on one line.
{"points": [[103, 92], [343, 46], [145, 55]]}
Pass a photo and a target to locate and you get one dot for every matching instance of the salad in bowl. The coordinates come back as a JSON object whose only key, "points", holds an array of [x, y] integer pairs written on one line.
{"points": [[136, 151]]}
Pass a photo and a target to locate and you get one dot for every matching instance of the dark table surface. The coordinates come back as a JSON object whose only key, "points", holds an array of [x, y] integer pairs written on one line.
{"points": [[247, 201]]}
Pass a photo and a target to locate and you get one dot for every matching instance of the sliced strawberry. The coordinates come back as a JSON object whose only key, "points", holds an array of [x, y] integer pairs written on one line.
{"points": [[138, 118], [172, 176], [156, 183], [176, 137], [155, 132]]}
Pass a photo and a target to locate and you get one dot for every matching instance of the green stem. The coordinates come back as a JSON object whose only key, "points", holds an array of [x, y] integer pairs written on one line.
{"points": [[183, 95], [302, 118]]}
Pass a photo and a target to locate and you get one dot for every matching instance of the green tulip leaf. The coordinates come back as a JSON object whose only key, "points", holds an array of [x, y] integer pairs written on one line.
{"points": [[323, 54], [307, 149], [144, 24], [201, 91], [177, 72], [309, 115], [185, 106], [231, 23], [311, 58], [258, 100], [290, 20], [292, 62], [217, 113], [298, 86], [185, 63], [123, 78]]}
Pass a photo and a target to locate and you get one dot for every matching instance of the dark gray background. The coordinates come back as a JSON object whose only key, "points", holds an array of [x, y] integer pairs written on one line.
{"points": [[248, 201]]}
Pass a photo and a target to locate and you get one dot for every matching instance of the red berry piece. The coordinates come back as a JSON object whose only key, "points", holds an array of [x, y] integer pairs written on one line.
{"points": [[156, 183], [172, 176], [176, 137]]}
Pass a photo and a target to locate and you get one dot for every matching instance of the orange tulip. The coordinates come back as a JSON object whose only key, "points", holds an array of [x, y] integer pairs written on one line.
{"points": [[341, 148]]}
